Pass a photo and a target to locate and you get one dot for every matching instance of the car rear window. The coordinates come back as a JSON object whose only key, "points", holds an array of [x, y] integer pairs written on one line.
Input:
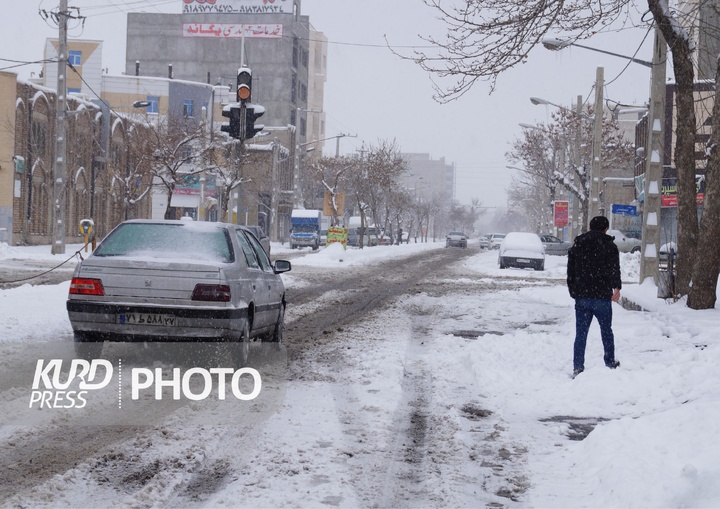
{"points": [[167, 241]]}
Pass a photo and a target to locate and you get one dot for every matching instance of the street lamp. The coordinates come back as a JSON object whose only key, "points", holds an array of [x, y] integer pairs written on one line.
{"points": [[649, 261], [557, 44], [594, 174]]}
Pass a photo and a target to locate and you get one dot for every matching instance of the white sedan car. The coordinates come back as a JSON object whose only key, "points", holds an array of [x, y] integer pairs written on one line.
{"points": [[522, 249], [624, 243], [177, 281]]}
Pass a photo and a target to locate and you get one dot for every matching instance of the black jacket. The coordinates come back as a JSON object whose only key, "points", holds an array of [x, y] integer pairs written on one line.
{"points": [[593, 268]]}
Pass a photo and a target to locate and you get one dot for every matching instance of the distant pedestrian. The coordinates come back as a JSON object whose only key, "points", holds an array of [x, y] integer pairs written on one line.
{"points": [[593, 279], [399, 239]]}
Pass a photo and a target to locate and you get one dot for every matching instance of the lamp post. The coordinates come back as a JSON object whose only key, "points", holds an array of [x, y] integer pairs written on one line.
{"points": [[558, 44], [653, 155], [578, 210], [595, 173]]}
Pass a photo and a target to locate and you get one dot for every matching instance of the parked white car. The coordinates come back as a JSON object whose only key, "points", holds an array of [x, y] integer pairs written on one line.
{"points": [[554, 246], [522, 250], [494, 240], [624, 243]]}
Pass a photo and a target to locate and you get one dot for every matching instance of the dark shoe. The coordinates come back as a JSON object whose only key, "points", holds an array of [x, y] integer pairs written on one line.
{"points": [[576, 372], [613, 364]]}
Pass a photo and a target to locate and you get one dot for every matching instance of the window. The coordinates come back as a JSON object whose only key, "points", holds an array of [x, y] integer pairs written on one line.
{"points": [[187, 108], [73, 90], [259, 252], [250, 254], [296, 51], [153, 106], [168, 242], [293, 88], [75, 57], [38, 139]]}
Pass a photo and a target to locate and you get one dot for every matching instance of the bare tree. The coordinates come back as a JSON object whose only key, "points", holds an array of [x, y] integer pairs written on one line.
{"points": [[179, 151], [333, 174], [548, 154], [384, 166], [487, 37]]}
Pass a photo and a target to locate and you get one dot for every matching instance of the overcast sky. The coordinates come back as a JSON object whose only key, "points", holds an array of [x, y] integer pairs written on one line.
{"points": [[375, 95]]}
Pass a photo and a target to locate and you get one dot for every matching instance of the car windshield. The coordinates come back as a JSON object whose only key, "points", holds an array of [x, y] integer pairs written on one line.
{"points": [[456, 233], [304, 228], [550, 238], [167, 241]]}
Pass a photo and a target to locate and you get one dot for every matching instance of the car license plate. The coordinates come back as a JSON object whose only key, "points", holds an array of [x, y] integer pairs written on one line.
{"points": [[523, 260], [145, 319]]}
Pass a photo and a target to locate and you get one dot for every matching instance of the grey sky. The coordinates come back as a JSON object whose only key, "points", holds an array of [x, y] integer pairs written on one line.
{"points": [[375, 95]]}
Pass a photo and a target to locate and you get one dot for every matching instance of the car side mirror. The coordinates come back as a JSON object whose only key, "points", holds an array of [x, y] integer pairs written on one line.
{"points": [[281, 266]]}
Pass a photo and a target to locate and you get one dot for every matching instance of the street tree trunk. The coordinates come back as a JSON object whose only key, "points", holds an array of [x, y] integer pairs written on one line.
{"points": [[703, 292], [169, 194], [684, 146]]}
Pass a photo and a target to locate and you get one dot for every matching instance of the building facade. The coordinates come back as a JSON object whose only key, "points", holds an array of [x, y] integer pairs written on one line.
{"points": [[429, 179], [288, 60]]}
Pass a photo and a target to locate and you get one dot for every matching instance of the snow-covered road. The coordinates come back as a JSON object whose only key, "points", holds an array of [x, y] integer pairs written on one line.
{"points": [[453, 393]]}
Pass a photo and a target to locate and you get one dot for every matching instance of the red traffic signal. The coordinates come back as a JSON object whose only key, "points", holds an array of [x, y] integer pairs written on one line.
{"points": [[244, 84]]}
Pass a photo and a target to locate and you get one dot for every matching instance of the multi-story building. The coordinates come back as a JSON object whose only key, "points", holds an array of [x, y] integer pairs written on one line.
{"points": [[429, 178], [210, 42]]}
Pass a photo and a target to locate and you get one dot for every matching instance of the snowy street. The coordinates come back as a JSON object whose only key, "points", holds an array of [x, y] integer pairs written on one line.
{"points": [[419, 376]]}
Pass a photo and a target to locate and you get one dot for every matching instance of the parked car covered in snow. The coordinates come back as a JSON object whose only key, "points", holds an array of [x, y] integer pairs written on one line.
{"points": [[521, 249], [177, 281]]}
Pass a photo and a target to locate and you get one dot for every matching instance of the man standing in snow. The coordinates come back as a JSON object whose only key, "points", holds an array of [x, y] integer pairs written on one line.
{"points": [[593, 279]]}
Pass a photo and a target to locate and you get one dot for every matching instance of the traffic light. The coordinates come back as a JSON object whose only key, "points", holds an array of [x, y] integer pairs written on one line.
{"points": [[232, 111], [252, 113], [244, 85]]}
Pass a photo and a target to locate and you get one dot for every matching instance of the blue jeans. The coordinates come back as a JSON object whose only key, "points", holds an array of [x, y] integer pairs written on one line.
{"points": [[585, 309]]}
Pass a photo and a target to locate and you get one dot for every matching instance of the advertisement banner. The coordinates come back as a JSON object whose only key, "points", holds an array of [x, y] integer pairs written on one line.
{"points": [[237, 6], [337, 234], [190, 186], [233, 30], [669, 191], [562, 213], [339, 203]]}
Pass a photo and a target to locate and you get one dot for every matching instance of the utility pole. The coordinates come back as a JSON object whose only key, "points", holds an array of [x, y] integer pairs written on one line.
{"points": [[596, 167], [337, 141], [654, 164], [59, 165], [578, 222]]}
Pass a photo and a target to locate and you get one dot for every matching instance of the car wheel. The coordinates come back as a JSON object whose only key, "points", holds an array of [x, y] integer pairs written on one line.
{"points": [[278, 332], [636, 249], [240, 351], [540, 266], [86, 348], [502, 263]]}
